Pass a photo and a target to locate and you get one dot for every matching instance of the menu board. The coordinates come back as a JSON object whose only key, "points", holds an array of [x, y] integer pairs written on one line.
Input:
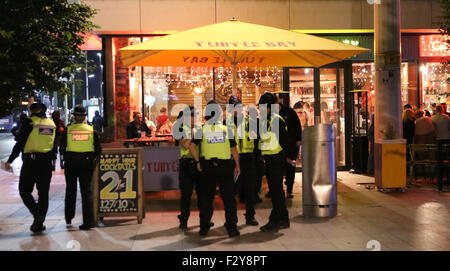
{"points": [[118, 185]]}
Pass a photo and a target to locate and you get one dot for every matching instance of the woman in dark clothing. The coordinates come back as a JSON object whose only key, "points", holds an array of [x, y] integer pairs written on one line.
{"points": [[408, 125]]}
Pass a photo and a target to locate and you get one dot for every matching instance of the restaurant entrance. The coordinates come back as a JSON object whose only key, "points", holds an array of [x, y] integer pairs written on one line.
{"points": [[321, 95]]}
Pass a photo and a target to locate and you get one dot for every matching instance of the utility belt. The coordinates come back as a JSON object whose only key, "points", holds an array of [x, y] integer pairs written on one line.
{"points": [[279, 155], [187, 161], [79, 156], [247, 155], [37, 155], [216, 162]]}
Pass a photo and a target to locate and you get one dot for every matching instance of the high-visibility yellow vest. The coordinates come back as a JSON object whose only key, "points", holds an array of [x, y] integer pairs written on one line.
{"points": [[80, 137], [185, 153], [215, 143], [42, 137], [246, 144], [269, 144]]}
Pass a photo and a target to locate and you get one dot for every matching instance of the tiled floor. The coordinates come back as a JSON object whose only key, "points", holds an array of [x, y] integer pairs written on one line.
{"points": [[418, 219]]}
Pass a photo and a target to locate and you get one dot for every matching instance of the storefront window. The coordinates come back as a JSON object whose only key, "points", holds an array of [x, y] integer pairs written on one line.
{"points": [[301, 87], [435, 85]]}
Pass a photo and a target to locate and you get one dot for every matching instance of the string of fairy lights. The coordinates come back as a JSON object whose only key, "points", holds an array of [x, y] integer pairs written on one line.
{"points": [[198, 79]]}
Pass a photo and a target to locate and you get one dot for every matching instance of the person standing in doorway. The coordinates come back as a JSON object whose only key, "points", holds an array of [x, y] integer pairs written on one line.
{"points": [[80, 150], [36, 140]]}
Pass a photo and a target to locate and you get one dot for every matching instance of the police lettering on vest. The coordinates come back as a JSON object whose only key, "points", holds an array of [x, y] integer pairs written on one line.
{"points": [[42, 137], [215, 143], [80, 138]]}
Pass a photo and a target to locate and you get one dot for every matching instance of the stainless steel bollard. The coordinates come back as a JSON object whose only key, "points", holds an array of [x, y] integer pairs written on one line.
{"points": [[319, 171]]}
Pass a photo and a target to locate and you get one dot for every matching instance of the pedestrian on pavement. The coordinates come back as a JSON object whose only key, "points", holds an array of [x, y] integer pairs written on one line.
{"points": [[259, 161], [80, 150], [245, 137], [217, 168], [60, 126], [274, 145], [188, 174], [36, 140], [97, 122], [294, 129]]}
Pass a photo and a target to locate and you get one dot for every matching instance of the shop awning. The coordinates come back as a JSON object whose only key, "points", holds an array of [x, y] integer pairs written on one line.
{"points": [[234, 43]]}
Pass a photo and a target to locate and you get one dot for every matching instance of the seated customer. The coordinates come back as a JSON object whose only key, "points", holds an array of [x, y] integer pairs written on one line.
{"points": [[137, 126]]}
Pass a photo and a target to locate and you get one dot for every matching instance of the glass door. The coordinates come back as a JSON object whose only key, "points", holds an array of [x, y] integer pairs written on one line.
{"points": [[321, 89]]}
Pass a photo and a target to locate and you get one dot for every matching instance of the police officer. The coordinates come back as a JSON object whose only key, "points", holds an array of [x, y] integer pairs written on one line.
{"points": [[245, 145], [216, 167], [80, 149], [36, 139], [188, 175], [273, 144], [294, 129]]}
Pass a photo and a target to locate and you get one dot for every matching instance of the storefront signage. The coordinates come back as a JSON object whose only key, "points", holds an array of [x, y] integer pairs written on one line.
{"points": [[248, 44], [433, 46], [219, 60], [118, 184], [161, 167]]}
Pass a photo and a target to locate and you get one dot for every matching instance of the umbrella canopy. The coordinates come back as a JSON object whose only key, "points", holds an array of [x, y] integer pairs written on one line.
{"points": [[234, 43]]}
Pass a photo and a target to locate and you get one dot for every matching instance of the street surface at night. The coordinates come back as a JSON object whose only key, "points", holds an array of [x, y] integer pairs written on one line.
{"points": [[415, 220]]}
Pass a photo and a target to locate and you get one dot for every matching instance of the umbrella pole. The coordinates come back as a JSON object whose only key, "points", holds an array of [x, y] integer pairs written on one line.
{"points": [[233, 79]]}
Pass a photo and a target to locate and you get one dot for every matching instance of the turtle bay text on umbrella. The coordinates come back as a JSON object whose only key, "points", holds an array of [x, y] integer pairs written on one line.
{"points": [[244, 44]]}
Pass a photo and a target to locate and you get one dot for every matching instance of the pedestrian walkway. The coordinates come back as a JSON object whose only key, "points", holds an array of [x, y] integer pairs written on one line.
{"points": [[415, 220]]}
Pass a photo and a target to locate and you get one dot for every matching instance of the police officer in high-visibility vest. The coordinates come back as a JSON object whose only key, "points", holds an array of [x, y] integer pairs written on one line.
{"points": [[216, 167], [274, 145], [188, 174], [80, 149], [36, 139], [245, 137]]}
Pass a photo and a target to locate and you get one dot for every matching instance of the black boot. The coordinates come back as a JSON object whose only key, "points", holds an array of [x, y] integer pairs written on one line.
{"points": [[284, 224], [38, 225], [183, 222], [251, 221], [270, 227]]}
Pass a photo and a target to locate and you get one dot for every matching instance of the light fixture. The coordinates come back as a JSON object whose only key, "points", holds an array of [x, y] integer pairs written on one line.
{"points": [[91, 75], [198, 90]]}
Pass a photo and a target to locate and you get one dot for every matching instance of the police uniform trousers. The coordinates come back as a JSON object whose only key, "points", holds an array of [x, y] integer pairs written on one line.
{"points": [[36, 169], [259, 166], [79, 166], [247, 183], [188, 179], [275, 167], [217, 172], [290, 175]]}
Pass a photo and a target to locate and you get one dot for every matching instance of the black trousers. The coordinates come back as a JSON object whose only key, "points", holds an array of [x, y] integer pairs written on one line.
{"points": [[290, 177], [35, 171], [215, 173], [79, 167], [275, 167], [188, 178], [259, 166], [247, 183]]}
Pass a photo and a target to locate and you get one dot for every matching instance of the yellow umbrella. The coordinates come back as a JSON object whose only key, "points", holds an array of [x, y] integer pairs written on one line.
{"points": [[234, 43]]}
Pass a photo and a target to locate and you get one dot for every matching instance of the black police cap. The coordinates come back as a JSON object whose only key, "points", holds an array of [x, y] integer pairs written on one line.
{"points": [[36, 107], [79, 111], [267, 98]]}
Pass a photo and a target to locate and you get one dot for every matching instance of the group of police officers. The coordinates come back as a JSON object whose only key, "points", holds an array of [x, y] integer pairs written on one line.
{"points": [[79, 149], [214, 155]]}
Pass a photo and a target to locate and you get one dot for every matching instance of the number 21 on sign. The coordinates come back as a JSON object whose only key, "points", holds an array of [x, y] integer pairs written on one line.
{"points": [[114, 185]]}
